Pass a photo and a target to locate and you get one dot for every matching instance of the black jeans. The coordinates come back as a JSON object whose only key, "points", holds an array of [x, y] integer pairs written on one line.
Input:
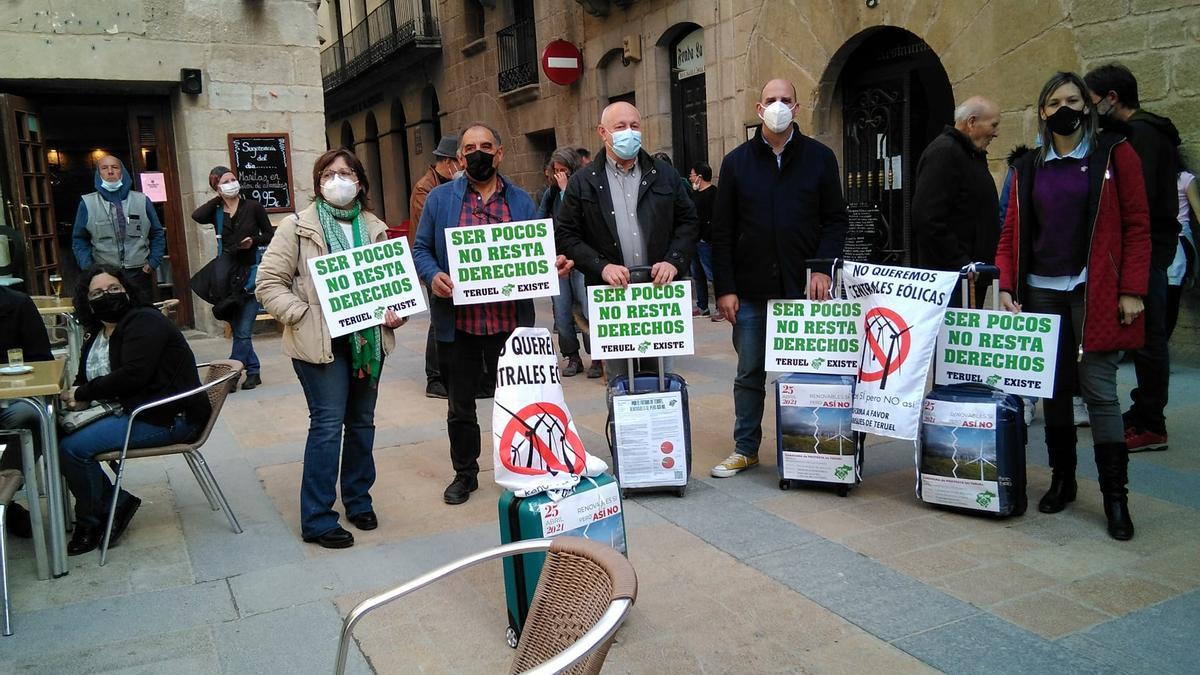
{"points": [[463, 362], [1152, 362]]}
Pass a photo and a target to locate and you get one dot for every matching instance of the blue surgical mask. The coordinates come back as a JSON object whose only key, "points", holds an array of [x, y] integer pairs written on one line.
{"points": [[111, 186], [626, 143]]}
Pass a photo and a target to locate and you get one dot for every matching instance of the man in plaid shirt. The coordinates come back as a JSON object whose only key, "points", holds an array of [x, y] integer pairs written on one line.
{"points": [[469, 336]]}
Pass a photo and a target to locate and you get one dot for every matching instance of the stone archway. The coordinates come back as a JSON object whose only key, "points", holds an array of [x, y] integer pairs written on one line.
{"points": [[393, 152], [347, 136], [883, 97], [368, 153]]}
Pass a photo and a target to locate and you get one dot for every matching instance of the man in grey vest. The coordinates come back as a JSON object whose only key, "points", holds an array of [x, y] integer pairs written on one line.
{"points": [[118, 226]]}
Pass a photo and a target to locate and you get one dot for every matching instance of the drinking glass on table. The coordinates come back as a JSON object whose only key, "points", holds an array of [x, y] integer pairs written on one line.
{"points": [[56, 284], [16, 357]]}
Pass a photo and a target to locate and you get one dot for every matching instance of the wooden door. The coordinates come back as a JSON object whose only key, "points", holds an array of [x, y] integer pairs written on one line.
{"points": [[151, 150], [29, 190]]}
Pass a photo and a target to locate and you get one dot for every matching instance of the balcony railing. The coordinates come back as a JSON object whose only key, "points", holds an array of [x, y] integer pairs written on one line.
{"points": [[394, 25], [518, 55]]}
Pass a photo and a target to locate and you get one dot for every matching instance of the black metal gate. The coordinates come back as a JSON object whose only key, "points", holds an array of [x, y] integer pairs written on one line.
{"points": [[876, 151]]}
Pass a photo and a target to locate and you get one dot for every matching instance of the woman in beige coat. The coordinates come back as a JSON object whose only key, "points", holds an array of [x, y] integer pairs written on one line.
{"points": [[340, 376]]}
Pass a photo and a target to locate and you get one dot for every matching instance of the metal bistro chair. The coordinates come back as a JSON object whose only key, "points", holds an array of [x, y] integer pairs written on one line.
{"points": [[583, 596], [10, 484], [222, 375]]}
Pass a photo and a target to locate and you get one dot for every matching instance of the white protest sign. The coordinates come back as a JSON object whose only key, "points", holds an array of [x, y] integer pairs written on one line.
{"points": [[357, 286], [902, 313], [651, 436], [958, 455], [1016, 353], [804, 336], [502, 261], [641, 320], [535, 444]]}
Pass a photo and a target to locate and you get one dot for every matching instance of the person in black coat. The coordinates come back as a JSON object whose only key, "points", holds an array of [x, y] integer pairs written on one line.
{"points": [[133, 355], [21, 328], [779, 204], [955, 203], [244, 232]]}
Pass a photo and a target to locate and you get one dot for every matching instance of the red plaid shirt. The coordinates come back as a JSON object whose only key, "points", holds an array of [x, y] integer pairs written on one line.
{"points": [[487, 318]]}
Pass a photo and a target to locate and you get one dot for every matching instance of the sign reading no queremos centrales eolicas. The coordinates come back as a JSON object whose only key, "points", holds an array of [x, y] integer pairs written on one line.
{"points": [[641, 320], [502, 261]]}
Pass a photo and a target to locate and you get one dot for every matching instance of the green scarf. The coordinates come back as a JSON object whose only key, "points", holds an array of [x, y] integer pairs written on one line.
{"points": [[366, 353]]}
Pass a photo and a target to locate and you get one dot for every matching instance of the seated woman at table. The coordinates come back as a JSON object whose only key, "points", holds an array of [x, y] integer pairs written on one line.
{"points": [[21, 328], [133, 355]]}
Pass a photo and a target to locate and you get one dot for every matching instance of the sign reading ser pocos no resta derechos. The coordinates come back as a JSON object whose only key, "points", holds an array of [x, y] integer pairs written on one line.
{"points": [[641, 320], [805, 336], [356, 287], [502, 261], [1016, 353]]}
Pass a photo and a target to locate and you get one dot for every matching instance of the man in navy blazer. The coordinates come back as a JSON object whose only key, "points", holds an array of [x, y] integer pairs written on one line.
{"points": [[469, 336]]}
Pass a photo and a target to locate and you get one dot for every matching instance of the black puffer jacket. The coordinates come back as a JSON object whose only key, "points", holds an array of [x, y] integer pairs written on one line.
{"points": [[955, 204]]}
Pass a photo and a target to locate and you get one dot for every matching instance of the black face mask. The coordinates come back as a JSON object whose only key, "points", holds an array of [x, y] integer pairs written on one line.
{"points": [[1065, 120], [110, 307], [479, 166]]}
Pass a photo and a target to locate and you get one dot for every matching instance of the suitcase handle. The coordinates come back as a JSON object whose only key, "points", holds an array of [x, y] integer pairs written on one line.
{"points": [[983, 272], [834, 265]]}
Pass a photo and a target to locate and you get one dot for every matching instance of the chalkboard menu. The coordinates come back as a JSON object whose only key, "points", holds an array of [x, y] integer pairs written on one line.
{"points": [[862, 234], [263, 166]]}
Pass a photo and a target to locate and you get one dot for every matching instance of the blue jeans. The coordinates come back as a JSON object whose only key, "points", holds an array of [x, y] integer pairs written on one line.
{"points": [[749, 385], [86, 479], [341, 414], [1153, 361], [243, 328], [702, 272], [564, 320]]}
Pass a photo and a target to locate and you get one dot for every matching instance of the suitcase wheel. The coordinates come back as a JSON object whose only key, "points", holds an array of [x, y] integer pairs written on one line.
{"points": [[681, 491], [624, 494], [1022, 504], [843, 490], [785, 484], [510, 637]]}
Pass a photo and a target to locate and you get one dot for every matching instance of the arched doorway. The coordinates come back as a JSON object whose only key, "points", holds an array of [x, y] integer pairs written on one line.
{"points": [[893, 97], [394, 146], [347, 136], [368, 154], [689, 95]]}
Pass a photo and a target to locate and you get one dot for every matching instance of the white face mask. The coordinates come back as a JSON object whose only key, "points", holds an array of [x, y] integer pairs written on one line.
{"points": [[459, 174], [111, 185], [339, 191], [777, 117], [230, 189]]}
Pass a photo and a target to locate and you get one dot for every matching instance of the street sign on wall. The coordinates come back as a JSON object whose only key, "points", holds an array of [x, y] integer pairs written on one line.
{"points": [[562, 62]]}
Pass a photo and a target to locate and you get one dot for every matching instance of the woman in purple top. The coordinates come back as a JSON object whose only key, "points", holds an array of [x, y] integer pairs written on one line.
{"points": [[1076, 243]]}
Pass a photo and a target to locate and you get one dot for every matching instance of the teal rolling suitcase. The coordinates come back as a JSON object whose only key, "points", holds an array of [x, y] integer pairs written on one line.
{"points": [[593, 511]]}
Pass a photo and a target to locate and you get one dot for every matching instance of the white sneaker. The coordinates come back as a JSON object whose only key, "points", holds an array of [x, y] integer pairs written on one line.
{"points": [[1081, 412]]}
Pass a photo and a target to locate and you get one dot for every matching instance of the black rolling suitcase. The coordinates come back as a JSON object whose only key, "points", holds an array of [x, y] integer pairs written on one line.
{"points": [[648, 421], [971, 455]]}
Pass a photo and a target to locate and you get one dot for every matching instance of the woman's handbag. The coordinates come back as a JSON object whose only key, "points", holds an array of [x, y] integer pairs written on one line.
{"points": [[74, 420], [220, 283]]}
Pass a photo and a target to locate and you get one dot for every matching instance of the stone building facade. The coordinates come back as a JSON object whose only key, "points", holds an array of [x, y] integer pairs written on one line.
{"points": [[876, 79], [106, 76]]}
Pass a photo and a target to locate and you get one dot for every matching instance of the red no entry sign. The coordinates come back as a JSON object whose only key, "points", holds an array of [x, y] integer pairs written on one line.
{"points": [[562, 62]]}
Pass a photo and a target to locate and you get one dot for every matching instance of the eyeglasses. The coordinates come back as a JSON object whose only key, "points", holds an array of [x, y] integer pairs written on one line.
{"points": [[97, 293], [348, 174]]}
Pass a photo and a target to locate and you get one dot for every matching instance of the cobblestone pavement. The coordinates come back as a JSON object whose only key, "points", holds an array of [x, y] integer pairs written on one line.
{"points": [[736, 576]]}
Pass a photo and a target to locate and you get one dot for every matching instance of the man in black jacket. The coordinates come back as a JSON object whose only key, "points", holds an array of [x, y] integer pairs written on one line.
{"points": [[1114, 91], [779, 204], [955, 204], [625, 210]]}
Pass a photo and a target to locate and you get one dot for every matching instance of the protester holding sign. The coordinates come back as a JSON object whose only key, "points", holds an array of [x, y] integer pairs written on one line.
{"points": [[779, 204], [1076, 243], [241, 226], [340, 376], [631, 210], [469, 336]]}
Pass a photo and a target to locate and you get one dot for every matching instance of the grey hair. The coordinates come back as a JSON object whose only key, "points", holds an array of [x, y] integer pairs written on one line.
{"points": [[972, 107], [566, 156], [481, 125]]}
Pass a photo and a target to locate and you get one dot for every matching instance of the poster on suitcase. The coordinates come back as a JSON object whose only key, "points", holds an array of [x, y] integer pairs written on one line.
{"points": [[641, 320], [816, 442], [595, 514], [806, 336], [958, 455], [902, 313], [650, 434], [1015, 353]]}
